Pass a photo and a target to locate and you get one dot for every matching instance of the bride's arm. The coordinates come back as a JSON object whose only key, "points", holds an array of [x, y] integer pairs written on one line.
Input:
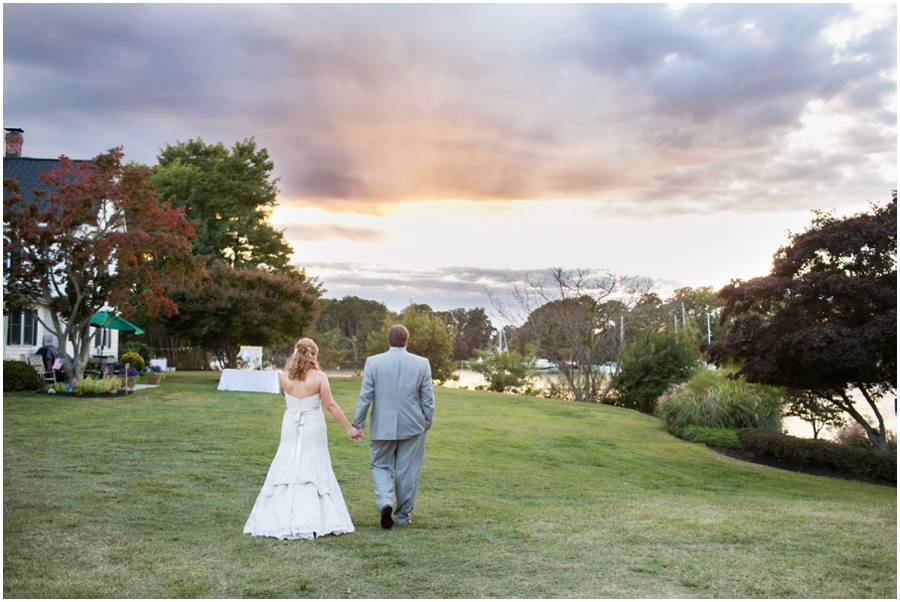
{"points": [[333, 408]]}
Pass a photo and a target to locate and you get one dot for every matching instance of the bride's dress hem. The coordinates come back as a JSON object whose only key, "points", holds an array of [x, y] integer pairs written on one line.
{"points": [[293, 536]]}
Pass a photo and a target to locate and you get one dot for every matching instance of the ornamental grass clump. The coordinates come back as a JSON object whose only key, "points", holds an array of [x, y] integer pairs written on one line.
{"points": [[711, 399]]}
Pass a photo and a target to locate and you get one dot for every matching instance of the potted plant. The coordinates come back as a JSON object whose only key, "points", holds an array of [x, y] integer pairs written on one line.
{"points": [[154, 375], [129, 376]]}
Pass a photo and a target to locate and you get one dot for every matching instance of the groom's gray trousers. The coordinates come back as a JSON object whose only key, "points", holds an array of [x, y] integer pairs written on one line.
{"points": [[399, 460]]}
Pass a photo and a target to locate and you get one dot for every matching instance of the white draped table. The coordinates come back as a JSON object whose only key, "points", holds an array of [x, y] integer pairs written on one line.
{"points": [[162, 362], [256, 381]]}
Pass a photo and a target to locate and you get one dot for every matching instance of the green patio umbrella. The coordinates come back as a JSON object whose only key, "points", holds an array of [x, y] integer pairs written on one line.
{"points": [[104, 319]]}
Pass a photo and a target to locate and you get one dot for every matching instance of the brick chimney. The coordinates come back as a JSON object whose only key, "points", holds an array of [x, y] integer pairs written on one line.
{"points": [[14, 140]]}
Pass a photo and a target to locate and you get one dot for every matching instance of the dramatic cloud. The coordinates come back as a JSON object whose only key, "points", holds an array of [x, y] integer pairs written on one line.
{"points": [[320, 232], [642, 108], [443, 288], [677, 142]]}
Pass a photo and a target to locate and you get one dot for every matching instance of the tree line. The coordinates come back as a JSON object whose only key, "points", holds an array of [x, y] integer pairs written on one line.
{"points": [[185, 249]]}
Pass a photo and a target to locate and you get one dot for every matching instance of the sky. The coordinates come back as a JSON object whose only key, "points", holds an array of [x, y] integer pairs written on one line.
{"points": [[431, 153]]}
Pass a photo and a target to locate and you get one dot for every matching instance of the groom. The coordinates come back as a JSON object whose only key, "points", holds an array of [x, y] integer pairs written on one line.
{"points": [[397, 385]]}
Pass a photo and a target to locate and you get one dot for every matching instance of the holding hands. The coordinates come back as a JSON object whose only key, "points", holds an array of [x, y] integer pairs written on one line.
{"points": [[354, 433]]}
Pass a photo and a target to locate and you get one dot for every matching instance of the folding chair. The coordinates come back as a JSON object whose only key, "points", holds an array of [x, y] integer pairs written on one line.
{"points": [[37, 362]]}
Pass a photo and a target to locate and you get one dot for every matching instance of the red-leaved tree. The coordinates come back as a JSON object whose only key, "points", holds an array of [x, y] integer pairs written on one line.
{"points": [[823, 323], [94, 236]]}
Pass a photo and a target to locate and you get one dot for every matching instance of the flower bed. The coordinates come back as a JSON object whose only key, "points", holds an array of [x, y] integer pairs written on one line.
{"points": [[109, 386], [120, 393]]}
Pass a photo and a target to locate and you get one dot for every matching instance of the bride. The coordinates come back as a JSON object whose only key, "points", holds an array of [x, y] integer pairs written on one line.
{"points": [[301, 498]]}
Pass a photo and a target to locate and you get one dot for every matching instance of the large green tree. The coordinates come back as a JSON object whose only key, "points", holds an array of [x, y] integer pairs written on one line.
{"points": [[474, 331], [95, 235], [824, 321], [355, 318], [229, 194], [334, 348]]}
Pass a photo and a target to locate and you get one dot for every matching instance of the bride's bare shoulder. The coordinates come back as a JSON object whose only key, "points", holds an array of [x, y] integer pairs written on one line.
{"points": [[318, 376]]}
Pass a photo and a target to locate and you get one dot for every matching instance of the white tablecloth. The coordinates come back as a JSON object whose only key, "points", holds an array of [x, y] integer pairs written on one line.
{"points": [[257, 381]]}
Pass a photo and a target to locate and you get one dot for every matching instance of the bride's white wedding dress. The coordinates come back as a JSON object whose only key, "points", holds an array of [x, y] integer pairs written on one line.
{"points": [[300, 498]]}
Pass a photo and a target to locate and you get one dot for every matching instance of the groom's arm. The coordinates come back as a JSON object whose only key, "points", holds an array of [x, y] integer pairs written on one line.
{"points": [[366, 396], [426, 396]]}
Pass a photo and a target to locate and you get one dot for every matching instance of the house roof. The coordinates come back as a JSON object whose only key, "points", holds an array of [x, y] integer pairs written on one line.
{"points": [[26, 170]]}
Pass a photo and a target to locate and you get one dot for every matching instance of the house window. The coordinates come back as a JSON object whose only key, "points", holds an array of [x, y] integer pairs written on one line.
{"points": [[101, 339], [22, 328]]}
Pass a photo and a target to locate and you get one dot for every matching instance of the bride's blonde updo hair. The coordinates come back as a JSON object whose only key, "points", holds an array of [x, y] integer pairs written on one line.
{"points": [[303, 360]]}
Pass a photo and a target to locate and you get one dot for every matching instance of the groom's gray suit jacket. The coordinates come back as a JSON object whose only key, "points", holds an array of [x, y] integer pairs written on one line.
{"points": [[397, 386]]}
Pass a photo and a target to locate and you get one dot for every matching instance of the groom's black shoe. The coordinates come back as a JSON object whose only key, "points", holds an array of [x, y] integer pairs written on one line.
{"points": [[387, 520]]}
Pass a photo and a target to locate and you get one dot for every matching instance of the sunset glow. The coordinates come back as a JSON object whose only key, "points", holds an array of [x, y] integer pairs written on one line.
{"points": [[428, 152]]}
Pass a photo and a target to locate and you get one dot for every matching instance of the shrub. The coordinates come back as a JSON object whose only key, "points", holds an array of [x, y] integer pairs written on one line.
{"points": [[853, 436], [136, 361], [142, 349], [816, 452], [503, 370], [554, 391], [648, 369], [19, 376], [712, 399], [714, 437]]}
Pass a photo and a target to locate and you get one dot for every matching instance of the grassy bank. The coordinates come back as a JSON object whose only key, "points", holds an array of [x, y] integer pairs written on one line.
{"points": [[146, 496]]}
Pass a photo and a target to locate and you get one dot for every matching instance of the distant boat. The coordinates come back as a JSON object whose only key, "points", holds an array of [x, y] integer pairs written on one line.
{"points": [[545, 365]]}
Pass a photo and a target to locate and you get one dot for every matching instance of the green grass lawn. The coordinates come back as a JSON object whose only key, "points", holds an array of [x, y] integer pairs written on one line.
{"points": [[146, 497]]}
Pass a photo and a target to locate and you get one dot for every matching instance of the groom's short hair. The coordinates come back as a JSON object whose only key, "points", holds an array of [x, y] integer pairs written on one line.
{"points": [[398, 336]]}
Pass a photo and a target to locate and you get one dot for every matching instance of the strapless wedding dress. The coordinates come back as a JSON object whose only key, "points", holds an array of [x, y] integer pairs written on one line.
{"points": [[300, 498]]}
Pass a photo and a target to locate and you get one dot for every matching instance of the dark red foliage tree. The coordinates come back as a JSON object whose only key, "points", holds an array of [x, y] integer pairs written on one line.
{"points": [[95, 236], [824, 321], [247, 306]]}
